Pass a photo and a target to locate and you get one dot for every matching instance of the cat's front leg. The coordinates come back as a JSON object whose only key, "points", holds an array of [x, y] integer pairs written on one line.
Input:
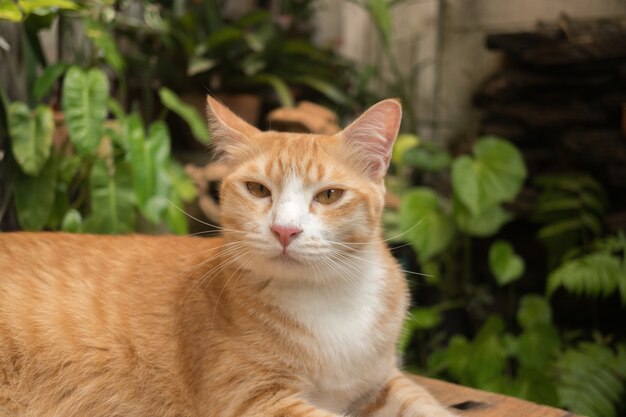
{"points": [[401, 397], [279, 404]]}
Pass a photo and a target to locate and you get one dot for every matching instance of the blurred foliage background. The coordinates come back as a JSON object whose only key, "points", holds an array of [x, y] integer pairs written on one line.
{"points": [[519, 285]]}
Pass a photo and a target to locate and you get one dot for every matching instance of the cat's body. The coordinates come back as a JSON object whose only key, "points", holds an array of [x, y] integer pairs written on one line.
{"points": [[295, 312]]}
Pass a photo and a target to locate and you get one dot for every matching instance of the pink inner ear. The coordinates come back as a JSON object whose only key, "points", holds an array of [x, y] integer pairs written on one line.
{"points": [[372, 136]]}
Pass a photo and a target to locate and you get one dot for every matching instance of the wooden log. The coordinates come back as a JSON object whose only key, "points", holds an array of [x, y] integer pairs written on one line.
{"points": [[550, 115], [476, 403], [514, 84], [570, 43], [602, 151]]}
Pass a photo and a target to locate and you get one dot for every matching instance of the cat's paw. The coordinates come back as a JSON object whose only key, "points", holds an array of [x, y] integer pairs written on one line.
{"points": [[430, 410]]}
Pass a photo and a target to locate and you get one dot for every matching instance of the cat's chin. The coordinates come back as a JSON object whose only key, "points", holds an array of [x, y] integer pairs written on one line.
{"points": [[286, 258]]}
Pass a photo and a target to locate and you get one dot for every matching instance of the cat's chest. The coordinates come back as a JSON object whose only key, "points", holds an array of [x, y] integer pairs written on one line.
{"points": [[345, 336]]}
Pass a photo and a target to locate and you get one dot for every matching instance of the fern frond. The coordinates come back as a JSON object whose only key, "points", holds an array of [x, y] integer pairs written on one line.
{"points": [[597, 274], [589, 381]]}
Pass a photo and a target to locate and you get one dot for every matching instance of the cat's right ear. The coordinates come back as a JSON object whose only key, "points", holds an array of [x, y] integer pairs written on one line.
{"points": [[229, 133]]}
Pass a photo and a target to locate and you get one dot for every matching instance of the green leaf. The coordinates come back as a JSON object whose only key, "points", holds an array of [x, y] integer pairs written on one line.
{"points": [[324, 87], [188, 113], [34, 196], [428, 228], [534, 311], [486, 223], [597, 274], [280, 87], [112, 198], [494, 175], [142, 163], [101, 37], [182, 185], [85, 104], [46, 81], [31, 136], [9, 11], [428, 157], [421, 318], [404, 142], [589, 383], [72, 222], [175, 218], [34, 6], [381, 14], [505, 264], [199, 65]]}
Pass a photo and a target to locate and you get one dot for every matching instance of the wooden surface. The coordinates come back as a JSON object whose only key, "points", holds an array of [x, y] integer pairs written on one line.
{"points": [[471, 402]]}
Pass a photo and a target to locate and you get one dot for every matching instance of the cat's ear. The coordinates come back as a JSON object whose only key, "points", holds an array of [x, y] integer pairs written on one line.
{"points": [[229, 133], [372, 135]]}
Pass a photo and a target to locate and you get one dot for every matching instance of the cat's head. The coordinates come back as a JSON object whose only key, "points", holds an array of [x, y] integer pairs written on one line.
{"points": [[295, 203]]}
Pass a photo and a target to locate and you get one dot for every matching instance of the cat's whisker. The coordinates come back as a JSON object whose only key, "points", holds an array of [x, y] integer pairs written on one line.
{"points": [[217, 301], [382, 240], [421, 274], [198, 220], [214, 270]]}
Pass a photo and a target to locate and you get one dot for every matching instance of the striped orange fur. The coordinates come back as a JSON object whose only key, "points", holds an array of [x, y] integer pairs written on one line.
{"points": [[294, 312]]}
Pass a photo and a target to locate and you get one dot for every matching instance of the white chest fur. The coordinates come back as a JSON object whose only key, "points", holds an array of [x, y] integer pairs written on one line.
{"points": [[342, 316]]}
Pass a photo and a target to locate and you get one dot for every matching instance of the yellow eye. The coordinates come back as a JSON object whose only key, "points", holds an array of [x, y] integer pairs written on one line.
{"points": [[258, 190], [329, 196]]}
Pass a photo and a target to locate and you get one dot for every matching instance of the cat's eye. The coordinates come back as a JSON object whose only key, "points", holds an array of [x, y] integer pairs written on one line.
{"points": [[329, 196], [258, 190]]}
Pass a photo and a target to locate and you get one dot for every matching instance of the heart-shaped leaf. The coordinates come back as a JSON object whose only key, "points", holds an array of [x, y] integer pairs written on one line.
{"points": [[505, 264], [31, 136], [483, 224], [428, 228], [85, 104], [494, 175]]}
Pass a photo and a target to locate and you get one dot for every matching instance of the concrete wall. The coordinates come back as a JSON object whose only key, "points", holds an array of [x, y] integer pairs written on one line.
{"points": [[450, 46]]}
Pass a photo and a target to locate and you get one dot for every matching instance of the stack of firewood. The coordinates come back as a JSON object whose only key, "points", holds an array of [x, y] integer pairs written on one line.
{"points": [[561, 97]]}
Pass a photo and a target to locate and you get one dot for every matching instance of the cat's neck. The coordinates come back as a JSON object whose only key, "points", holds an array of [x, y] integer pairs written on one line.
{"points": [[333, 288]]}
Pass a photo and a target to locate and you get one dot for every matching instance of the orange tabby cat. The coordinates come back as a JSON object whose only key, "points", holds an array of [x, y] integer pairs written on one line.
{"points": [[294, 312]]}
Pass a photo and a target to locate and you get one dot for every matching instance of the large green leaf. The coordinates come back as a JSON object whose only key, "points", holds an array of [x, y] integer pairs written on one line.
{"points": [[188, 113], [428, 228], [534, 311], [480, 363], [31, 136], [85, 96], [34, 196], [46, 81], [494, 175], [112, 198], [35, 6], [9, 11], [486, 223], [505, 264]]}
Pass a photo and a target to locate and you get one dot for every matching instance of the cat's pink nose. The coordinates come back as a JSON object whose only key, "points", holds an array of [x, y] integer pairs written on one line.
{"points": [[285, 234]]}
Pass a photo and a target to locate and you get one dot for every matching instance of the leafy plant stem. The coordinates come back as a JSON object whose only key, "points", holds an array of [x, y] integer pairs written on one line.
{"points": [[467, 260]]}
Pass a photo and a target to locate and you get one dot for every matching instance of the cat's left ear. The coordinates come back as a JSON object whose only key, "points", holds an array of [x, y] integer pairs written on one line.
{"points": [[372, 135], [229, 133]]}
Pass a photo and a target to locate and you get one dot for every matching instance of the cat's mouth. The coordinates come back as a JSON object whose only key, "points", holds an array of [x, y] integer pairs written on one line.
{"points": [[286, 258]]}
